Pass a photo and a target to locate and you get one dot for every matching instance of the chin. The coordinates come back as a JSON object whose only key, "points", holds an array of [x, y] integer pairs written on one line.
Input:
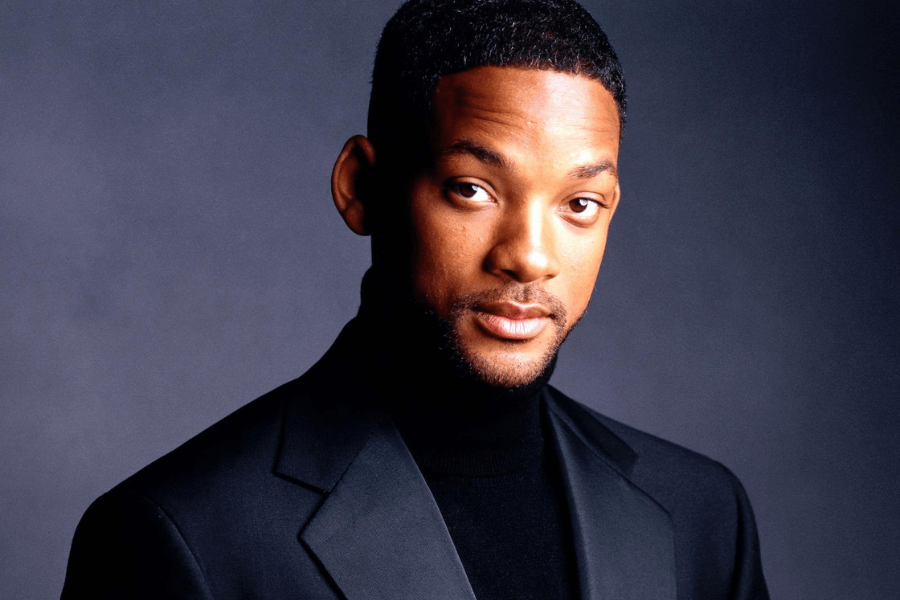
{"points": [[474, 357], [506, 370]]}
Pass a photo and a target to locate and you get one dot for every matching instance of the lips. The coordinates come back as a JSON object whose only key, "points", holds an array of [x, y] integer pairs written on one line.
{"points": [[511, 320]]}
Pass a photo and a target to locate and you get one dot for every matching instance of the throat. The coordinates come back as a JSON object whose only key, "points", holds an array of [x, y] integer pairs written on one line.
{"points": [[481, 436], [453, 422]]}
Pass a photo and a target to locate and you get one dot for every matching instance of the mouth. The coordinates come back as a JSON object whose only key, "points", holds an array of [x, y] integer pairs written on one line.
{"points": [[511, 320]]}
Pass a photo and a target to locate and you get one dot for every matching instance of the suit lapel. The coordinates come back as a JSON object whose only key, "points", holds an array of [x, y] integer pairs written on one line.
{"points": [[623, 538], [379, 533]]}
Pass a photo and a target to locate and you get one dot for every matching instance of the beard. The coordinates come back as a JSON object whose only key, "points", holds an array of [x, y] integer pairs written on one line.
{"points": [[507, 369]]}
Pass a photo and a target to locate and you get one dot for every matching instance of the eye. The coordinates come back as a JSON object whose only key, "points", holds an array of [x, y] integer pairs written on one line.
{"points": [[582, 210], [469, 191]]}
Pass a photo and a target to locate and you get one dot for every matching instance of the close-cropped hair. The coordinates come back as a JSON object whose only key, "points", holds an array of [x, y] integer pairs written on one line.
{"points": [[428, 39]]}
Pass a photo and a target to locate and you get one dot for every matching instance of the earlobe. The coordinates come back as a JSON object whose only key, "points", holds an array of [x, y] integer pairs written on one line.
{"points": [[349, 187]]}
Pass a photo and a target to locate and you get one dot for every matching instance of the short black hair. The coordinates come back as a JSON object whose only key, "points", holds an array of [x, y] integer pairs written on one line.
{"points": [[428, 39]]}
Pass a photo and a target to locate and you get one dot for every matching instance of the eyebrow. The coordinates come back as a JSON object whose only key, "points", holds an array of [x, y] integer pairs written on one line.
{"points": [[589, 171], [486, 155]]}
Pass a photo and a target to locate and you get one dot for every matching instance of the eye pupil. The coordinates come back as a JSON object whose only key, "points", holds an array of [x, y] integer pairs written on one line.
{"points": [[579, 205], [468, 190]]}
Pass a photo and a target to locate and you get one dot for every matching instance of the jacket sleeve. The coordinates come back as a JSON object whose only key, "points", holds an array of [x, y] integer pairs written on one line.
{"points": [[126, 546], [748, 582]]}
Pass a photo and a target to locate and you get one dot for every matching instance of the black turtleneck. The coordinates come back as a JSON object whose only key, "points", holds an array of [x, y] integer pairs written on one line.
{"points": [[498, 486], [487, 459]]}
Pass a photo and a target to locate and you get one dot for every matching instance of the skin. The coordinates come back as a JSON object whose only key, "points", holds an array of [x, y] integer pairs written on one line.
{"points": [[509, 225]]}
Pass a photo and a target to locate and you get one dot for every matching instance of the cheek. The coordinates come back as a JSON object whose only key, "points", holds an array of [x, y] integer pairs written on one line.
{"points": [[444, 254], [582, 264]]}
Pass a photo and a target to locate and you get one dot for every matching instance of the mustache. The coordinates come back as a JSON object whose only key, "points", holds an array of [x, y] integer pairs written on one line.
{"points": [[529, 293]]}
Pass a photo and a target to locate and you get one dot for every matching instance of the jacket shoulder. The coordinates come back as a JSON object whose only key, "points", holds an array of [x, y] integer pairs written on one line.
{"points": [[236, 446], [231, 469], [199, 515], [645, 456], [716, 542]]}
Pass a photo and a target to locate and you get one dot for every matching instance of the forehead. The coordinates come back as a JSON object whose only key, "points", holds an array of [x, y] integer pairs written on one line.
{"points": [[543, 111]]}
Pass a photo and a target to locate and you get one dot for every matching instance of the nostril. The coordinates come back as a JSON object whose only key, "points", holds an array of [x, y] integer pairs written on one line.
{"points": [[522, 264]]}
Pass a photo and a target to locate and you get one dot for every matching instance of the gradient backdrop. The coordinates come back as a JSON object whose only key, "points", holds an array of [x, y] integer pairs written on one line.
{"points": [[169, 251]]}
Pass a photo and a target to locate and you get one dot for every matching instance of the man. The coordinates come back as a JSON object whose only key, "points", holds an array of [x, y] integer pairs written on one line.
{"points": [[425, 456]]}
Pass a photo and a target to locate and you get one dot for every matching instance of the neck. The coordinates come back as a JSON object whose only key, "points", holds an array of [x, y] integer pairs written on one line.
{"points": [[435, 402]]}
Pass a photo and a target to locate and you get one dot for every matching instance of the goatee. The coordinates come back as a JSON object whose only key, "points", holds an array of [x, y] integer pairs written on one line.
{"points": [[516, 375]]}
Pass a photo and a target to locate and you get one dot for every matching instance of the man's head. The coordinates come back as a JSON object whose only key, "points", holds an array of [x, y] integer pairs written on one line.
{"points": [[493, 196], [430, 39]]}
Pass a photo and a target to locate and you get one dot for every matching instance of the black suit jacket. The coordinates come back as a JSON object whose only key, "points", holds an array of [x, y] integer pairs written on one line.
{"points": [[310, 492]]}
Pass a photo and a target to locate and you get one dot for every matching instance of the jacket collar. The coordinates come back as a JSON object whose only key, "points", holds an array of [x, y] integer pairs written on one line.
{"points": [[379, 532], [330, 413]]}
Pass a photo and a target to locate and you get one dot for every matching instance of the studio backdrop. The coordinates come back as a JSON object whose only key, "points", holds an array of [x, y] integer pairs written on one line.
{"points": [[169, 251]]}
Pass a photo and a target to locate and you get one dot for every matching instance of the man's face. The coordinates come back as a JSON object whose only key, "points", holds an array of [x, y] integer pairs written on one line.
{"points": [[509, 226]]}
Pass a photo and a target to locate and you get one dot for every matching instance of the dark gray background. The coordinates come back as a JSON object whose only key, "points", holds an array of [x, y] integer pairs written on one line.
{"points": [[170, 251]]}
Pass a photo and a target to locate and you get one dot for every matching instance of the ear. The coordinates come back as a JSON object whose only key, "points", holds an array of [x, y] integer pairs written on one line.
{"points": [[349, 186], [615, 202]]}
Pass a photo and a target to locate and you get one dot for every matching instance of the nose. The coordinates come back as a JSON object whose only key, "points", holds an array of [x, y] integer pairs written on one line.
{"points": [[524, 247]]}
